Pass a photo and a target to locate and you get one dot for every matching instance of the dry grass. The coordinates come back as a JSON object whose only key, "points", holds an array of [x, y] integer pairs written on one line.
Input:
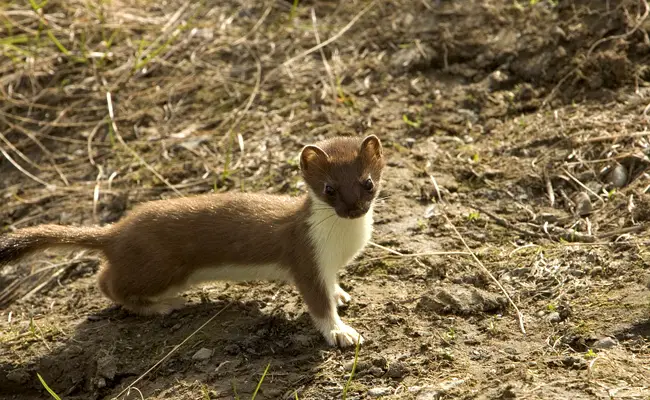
{"points": [[104, 104]]}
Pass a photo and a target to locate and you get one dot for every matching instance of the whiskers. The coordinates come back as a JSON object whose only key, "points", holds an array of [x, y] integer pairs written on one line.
{"points": [[317, 224]]}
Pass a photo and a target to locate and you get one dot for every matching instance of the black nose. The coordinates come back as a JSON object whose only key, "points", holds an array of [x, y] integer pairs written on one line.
{"points": [[356, 213]]}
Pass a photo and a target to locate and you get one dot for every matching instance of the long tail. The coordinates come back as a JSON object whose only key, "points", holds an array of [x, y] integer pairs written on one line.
{"points": [[16, 245]]}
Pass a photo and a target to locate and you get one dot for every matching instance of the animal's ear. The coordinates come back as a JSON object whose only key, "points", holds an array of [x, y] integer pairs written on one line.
{"points": [[371, 148], [312, 155]]}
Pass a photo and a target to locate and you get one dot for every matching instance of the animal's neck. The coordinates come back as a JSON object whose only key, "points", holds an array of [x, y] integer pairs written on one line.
{"points": [[336, 240]]}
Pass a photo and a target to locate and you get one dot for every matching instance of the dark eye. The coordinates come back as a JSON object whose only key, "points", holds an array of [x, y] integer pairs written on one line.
{"points": [[330, 191], [368, 184]]}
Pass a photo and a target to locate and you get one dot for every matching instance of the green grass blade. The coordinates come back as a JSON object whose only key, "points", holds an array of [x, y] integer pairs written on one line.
{"points": [[37, 7], [354, 368], [50, 391], [294, 9], [58, 44], [259, 384]]}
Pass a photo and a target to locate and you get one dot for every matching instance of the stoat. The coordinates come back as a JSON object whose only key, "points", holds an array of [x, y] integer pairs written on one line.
{"points": [[164, 247]]}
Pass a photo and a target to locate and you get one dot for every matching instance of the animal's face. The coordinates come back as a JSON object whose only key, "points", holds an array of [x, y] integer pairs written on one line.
{"points": [[344, 173]]}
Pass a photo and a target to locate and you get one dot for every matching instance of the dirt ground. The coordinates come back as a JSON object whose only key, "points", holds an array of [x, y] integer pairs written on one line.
{"points": [[522, 122]]}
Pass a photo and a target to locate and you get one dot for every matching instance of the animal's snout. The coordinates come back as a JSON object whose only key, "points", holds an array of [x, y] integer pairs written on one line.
{"points": [[357, 211]]}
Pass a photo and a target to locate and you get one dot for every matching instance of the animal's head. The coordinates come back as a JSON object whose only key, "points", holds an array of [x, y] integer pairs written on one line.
{"points": [[345, 173]]}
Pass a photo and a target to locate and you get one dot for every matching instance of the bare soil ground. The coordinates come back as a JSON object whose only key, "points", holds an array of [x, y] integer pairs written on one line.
{"points": [[522, 122]]}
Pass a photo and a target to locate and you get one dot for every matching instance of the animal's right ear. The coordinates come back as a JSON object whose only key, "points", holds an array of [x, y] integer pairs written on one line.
{"points": [[310, 155]]}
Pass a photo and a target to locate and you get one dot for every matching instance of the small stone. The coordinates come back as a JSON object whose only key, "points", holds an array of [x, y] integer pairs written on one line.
{"points": [[554, 317], [379, 391], [232, 349], [107, 367], [397, 370], [574, 362], [101, 383], [429, 393], [18, 376], [498, 80], [583, 204], [302, 340], [361, 366], [605, 343], [380, 362], [202, 354], [617, 176], [376, 372]]}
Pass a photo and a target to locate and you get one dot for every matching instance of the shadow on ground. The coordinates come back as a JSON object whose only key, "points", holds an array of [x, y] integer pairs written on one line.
{"points": [[110, 349]]}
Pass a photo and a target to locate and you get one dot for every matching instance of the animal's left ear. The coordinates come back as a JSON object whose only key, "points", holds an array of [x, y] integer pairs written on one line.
{"points": [[371, 148]]}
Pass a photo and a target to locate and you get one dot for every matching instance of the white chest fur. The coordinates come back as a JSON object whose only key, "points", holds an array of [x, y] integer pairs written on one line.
{"points": [[336, 240]]}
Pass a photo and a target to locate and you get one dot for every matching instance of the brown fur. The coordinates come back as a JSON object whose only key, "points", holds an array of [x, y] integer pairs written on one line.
{"points": [[151, 253]]}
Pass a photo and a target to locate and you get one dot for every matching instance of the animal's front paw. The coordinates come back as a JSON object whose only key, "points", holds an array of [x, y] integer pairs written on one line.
{"points": [[167, 306], [341, 296], [343, 336]]}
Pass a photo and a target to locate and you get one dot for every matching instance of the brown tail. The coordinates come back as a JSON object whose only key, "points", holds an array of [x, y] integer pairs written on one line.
{"points": [[25, 241]]}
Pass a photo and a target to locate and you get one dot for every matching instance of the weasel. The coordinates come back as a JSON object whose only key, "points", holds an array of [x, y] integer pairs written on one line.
{"points": [[163, 247]]}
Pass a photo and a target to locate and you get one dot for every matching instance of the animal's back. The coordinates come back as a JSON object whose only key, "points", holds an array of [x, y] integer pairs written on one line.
{"points": [[209, 230]]}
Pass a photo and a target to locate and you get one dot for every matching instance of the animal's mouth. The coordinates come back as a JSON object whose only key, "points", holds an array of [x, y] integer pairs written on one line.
{"points": [[354, 214]]}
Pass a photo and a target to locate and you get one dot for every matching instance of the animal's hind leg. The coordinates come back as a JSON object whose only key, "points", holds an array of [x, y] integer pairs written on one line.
{"points": [[119, 291]]}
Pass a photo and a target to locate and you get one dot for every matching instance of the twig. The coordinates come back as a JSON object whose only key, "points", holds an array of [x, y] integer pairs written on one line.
{"points": [[24, 171], [612, 137], [172, 351], [583, 186], [20, 153], [520, 316], [333, 38], [251, 98], [622, 231], [386, 248], [322, 55], [415, 255], [133, 152], [435, 185], [549, 189], [257, 24], [506, 224]]}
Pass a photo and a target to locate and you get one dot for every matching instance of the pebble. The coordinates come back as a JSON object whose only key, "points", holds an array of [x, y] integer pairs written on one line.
{"points": [[361, 365], [202, 354], [429, 393], [605, 343], [617, 177], [554, 317], [107, 367], [397, 370], [498, 80], [379, 391], [101, 383], [18, 376], [380, 362], [583, 204]]}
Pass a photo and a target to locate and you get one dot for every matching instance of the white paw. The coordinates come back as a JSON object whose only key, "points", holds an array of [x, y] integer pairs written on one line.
{"points": [[167, 306], [343, 336], [341, 296]]}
